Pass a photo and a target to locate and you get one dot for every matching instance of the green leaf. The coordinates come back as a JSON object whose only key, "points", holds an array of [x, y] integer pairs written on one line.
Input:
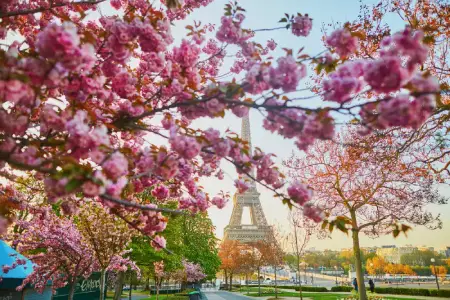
{"points": [[283, 20], [331, 227], [395, 232], [73, 184], [319, 68], [429, 40], [340, 224]]}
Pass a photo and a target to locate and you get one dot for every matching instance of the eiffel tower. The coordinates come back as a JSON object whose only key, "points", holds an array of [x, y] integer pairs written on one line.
{"points": [[258, 229]]}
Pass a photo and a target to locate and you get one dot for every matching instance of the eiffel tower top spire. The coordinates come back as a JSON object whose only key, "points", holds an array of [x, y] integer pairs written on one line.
{"points": [[246, 136], [245, 131]]}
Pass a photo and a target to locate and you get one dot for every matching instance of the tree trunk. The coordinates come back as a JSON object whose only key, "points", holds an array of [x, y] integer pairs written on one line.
{"points": [[72, 290], [119, 286], [259, 282], [157, 289], [276, 290], [300, 282], [147, 284], [358, 263], [131, 282], [231, 282], [246, 283], [226, 279], [102, 284]]}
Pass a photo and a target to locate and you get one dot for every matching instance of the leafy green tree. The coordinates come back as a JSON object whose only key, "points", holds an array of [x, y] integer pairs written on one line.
{"points": [[188, 237], [200, 243], [420, 258]]}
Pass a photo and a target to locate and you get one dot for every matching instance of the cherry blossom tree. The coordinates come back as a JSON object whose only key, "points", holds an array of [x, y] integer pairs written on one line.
{"points": [[107, 235], [84, 96], [159, 275], [62, 254], [365, 187], [430, 140], [301, 231], [194, 272]]}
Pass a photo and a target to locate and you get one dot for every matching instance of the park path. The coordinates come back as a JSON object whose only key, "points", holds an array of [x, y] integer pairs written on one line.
{"points": [[135, 297], [222, 295]]}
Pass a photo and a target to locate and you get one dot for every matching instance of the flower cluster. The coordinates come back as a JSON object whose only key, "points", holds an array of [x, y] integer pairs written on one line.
{"points": [[293, 123], [300, 193], [120, 264], [193, 272], [230, 30], [395, 67], [301, 25], [343, 42]]}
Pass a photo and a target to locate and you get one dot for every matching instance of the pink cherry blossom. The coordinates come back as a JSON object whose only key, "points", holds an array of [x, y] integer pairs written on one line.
{"points": [[219, 201], [385, 74], [160, 192], [343, 42], [158, 242], [230, 31], [115, 166], [345, 82], [271, 44], [287, 74], [313, 212], [301, 25], [187, 147], [193, 271], [241, 185], [300, 193]]}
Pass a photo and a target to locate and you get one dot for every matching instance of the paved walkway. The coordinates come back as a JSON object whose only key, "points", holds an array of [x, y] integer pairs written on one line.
{"points": [[135, 297], [223, 295]]}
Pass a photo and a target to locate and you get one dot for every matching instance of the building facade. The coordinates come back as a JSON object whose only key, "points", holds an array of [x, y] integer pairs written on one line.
{"points": [[393, 254]]}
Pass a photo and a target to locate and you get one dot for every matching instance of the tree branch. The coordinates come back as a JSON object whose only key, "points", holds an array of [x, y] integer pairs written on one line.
{"points": [[42, 9]]}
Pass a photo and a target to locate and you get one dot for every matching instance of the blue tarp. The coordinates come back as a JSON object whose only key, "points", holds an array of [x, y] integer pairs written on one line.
{"points": [[8, 256], [14, 277]]}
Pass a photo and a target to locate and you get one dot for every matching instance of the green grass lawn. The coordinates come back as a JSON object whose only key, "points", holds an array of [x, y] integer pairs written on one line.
{"points": [[313, 295]]}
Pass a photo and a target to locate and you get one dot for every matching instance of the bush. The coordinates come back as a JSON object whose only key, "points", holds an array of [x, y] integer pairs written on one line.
{"points": [[440, 293], [312, 289], [342, 289], [402, 291], [413, 292]]}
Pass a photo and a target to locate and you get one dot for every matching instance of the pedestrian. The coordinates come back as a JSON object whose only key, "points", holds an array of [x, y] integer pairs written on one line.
{"points": [[371, 285], [355, 284]]}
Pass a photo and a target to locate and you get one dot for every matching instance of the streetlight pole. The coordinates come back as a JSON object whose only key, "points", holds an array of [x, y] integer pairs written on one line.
{"points": [[335, 274], [435, 273]]}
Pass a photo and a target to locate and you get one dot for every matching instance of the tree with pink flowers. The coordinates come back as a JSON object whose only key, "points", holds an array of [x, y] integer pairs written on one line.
{"points": [[84, 96], [108, 236], [364, 187], [57, 249], [193, 272]]}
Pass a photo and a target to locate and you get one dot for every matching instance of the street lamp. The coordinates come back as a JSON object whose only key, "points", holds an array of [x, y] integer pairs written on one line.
{"points": [[335, 273], [435, 273]]}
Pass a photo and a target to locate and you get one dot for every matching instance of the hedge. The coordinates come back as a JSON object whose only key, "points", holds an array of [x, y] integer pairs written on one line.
{"points": [[413, 292], [341, 289], [312, 289]]}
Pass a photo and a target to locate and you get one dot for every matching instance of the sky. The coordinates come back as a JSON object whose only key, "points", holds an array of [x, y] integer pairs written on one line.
{"points": [[266, 14]]}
